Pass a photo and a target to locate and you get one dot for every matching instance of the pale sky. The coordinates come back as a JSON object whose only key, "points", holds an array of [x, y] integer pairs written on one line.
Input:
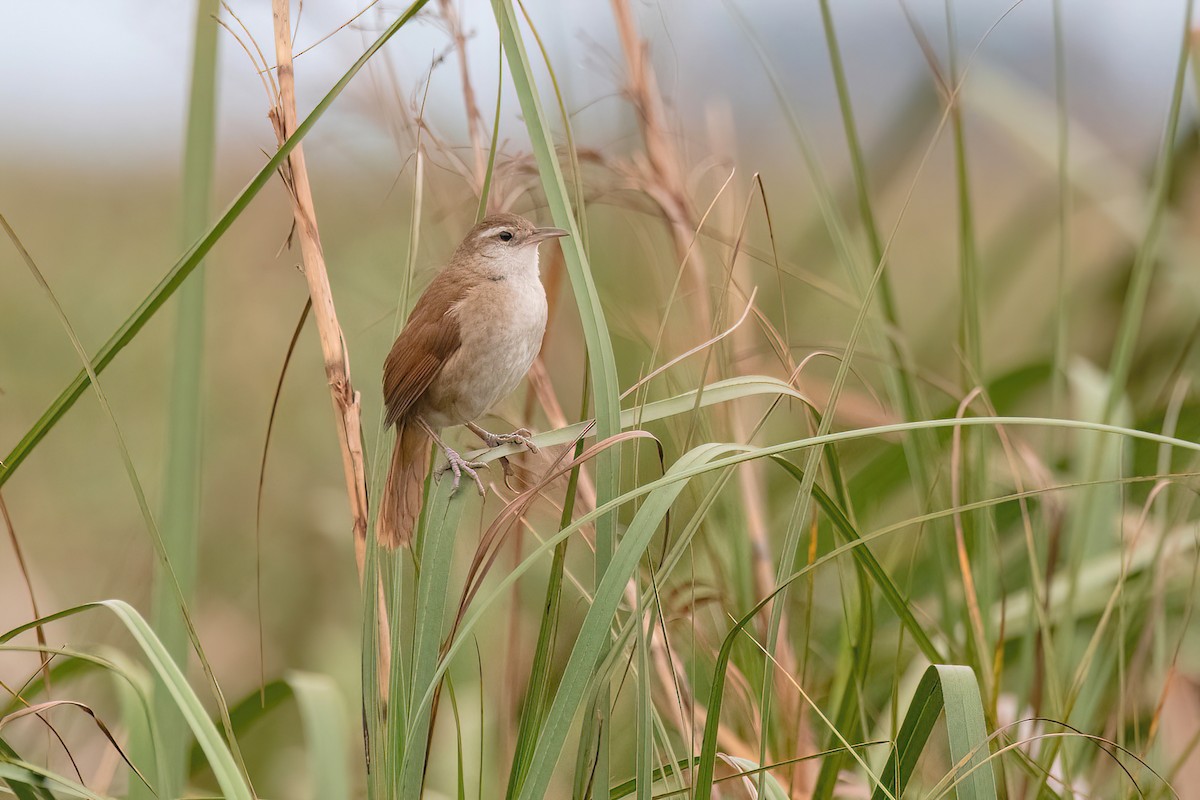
{"points": [[88, 81]]}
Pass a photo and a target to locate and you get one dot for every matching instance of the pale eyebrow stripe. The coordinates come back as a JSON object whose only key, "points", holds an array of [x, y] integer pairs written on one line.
{"points": [[492, 231]]}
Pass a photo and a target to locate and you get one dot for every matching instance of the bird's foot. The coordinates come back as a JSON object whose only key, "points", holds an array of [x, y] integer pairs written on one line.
{"points": [[459, 465], [521, 436]]}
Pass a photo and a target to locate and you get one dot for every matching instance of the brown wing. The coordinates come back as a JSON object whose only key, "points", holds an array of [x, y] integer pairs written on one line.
{"points": [[429, 338]]}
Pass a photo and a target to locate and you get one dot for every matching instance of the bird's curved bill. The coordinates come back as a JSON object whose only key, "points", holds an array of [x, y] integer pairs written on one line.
{"points": [[542, 234]]}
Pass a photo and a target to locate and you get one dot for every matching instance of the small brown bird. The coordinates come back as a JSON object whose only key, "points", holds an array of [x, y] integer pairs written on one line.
{"points": [[470, 339]]}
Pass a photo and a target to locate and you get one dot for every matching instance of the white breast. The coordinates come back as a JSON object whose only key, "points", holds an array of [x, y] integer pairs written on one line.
{"points": [[501, 323]]}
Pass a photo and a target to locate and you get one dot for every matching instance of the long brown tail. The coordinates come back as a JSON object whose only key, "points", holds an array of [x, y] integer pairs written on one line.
{"points": [[402, 494]]}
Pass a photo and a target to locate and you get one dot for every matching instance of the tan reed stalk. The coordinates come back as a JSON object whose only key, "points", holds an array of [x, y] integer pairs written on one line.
{"points": [[333, 343], [475, 124], [662, 173]]}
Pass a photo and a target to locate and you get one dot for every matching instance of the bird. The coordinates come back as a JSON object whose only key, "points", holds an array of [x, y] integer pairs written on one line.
{"points": [[468, 342]]}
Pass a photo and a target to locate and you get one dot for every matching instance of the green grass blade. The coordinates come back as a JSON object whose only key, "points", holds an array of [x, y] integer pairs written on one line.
{"points": [[188, 261], [862, 196], [568, 132], [591, 314], [844, 724], [184, 468], [485, 190], [323, 716], [409, 743], [244, 714], [534, 703], [847, 533], [706, 761], [224, 767], [712, 458], [61, 672], [601, 360], [643, 734], [594, 635], [747, 452], [131, 682], [21, 773], [954, 690], [25, 786], [685, 403], [538, 686], [163, 562], [853, 671]]}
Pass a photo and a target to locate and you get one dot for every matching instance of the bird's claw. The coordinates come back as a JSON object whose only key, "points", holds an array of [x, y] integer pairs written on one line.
{"points": [[521, 436], [459, 465]]}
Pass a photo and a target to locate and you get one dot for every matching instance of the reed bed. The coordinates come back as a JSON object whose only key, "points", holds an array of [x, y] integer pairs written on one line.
{"points": [[806, 521]]}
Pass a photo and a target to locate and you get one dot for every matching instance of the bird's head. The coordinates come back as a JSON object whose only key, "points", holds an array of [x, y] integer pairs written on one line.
{"points": [[509, 239]]}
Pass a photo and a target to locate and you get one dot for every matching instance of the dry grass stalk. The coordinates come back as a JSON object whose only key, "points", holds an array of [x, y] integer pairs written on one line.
{"points": [[663, 180], [662, 172], [333, 343], [750, 475], [346, 402], [785, 663], [23, 567], [475, 125]]}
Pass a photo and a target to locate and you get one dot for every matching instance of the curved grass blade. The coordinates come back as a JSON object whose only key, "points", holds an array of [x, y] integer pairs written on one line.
{"points": [[323, 716], [23, 568], [164, 564], [61, 671], [42, 708], [769, 789], [952, 689], [706, 761], [15, 772], [748, 768], [245, 714], [691, 465], [718, 392], [225, 769], [325, 733], [133, 688], [23, 788], [594, 635], [846, 532], [189, 260], [565, 118], [601, 361], [262, 479]]}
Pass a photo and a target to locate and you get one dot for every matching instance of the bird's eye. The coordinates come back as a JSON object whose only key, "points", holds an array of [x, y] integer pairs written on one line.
{"points": [[506, 236]]}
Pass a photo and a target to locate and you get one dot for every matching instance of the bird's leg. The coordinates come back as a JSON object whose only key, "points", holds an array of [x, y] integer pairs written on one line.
{"points": [[521, 436], [457, 464]]}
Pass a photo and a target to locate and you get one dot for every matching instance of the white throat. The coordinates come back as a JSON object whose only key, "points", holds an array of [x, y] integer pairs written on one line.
{"points": [[523, 262]]}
